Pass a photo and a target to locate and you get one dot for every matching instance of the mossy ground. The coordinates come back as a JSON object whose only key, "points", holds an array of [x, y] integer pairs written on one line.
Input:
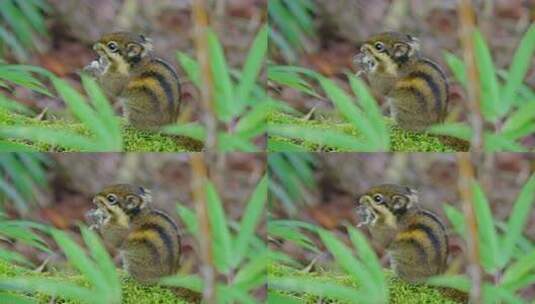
{"points": [[401, 141], [400, 292], [133, 292], [133, 140]]}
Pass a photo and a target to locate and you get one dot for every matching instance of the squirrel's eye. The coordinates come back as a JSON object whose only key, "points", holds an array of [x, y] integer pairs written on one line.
{"points": [[112, 199], [379, 46], [378, 198], [112, 46]]}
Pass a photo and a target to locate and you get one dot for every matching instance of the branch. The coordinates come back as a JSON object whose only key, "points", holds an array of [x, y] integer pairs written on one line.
{"points": [[467, 20], [200, 19], [205, 238]]}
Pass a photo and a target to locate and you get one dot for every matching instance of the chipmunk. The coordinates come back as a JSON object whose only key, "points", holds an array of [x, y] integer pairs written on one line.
{"points": [[148, 239], [415, 238], [415, 86], [148, 87]]}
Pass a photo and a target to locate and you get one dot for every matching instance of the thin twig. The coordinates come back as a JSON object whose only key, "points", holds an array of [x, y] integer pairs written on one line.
{"points": [[205, 238], [466, 179], [467, 20], [200, 18]]}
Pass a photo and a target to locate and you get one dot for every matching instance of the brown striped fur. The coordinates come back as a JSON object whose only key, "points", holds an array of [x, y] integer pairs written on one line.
{"points": [[148, 238], [415, 86], [415, 238], [148, 87]]}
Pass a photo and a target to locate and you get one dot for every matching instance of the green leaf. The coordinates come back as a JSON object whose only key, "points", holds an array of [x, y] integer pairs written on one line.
{"points": [[517, 219], [50, 136], [17, 49], [370, 261], [523, 116], [249, 274], [328, 138], [488, 239], [251, 217], [193, 130], [350, 111], [79, 107], [457, 67], [456, 219], [274, 297], [518, 270], [372, 111], [33, 15], [518, 68], [13, 16], [15, 299], [344, 257], [105, 264], [319, 288], [221, 238], [189, 218], [224, 96], [49, 287], [79, 259], [458, 130], [191, 282], [491, 107], [459, 282], [493, 293], [191, 67], [105, 113], [253, 66]]}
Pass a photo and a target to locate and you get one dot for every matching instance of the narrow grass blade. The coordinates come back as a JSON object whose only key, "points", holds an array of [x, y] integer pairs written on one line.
{"points": [[344, 257], [490, 94], [518, 68], [328, 138], [224, 92], [191, 282], [189, 218], [488, 239], [253, 65], [250, 219], [79, 259], [517, 219], [318, 288], [105, 264], [221, 238]]}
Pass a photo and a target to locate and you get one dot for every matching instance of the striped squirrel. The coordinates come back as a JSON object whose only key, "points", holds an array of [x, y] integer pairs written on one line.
{"points": [[416, 87], [148, 239], [147, 86], [415, 238]]}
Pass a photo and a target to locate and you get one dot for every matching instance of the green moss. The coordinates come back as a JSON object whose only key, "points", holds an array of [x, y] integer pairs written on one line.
{"points": [[399, 291], [133, 139], [401, 141], [133, 292]]}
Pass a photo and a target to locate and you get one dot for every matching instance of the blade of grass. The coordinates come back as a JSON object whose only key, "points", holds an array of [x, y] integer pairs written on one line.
{"points": [[488, 238], [224, 95], [490, 96], [517, 219], [253, 65], [518, 68], [333, 139], [251, 216], [222, 240]]}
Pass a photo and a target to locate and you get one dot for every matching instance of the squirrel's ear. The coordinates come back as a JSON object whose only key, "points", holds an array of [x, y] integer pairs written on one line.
{"points": [[133, 201], [401, 49], [133, 49]]}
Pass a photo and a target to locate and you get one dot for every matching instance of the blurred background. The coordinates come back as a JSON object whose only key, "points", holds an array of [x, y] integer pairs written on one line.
{"points": [[324, 36], [322, 189], [56, 189]]}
